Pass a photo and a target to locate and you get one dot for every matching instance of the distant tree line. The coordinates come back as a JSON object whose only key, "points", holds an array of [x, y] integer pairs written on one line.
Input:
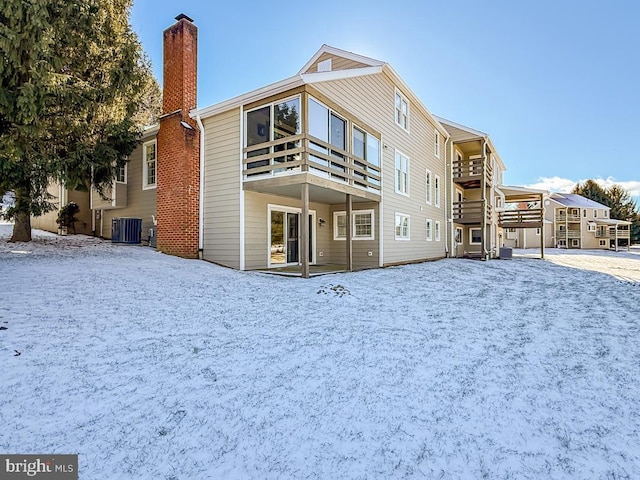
{"points": [[622, 206]]}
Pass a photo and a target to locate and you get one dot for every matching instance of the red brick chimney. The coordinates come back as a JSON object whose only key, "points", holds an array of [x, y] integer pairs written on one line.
{"points": [[179, 144]]}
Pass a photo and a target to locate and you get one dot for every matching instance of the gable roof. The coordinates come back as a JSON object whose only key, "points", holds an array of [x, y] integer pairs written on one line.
{"points": [[462, 133], [370, 62], [374, 67], [575, 200]]}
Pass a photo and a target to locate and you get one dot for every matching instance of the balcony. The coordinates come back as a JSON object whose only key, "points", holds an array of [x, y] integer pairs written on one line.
{"points": [[471, 212], [522, 218], [115, 197], [469, 172], [279, 165], [567, 218], [568, 234]]}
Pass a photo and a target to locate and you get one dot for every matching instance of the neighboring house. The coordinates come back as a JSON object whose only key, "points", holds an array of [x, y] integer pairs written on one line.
{"points": [[578, 222]]}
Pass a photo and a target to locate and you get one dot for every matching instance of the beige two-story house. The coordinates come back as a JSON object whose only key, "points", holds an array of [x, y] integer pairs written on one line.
{"points": [[574, 221]]}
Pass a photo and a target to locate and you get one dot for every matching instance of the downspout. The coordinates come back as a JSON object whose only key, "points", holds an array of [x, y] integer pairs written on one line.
{"points": [[447, 214], [201, 189], [453, 250], [483, 184]]}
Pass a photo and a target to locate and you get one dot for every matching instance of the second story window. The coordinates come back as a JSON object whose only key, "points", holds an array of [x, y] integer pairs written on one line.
{"points": [[428, 185], [436, 190], [121, 175], [437, 145], [268, 123], [402, 174], [149, 165], [402, 111]]}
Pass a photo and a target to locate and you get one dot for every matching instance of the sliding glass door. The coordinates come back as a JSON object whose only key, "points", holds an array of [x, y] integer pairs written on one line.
{"points": [[284, 236]]}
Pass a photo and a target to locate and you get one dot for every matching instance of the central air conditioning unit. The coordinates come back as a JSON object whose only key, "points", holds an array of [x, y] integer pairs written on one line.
{"points": [[126, 230]]}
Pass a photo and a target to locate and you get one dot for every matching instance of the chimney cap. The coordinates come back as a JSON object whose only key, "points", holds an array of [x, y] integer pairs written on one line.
{"points": [[182, 15]]}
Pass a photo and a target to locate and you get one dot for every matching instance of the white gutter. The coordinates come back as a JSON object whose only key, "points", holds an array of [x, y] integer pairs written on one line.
{"points": [[201, 188]]}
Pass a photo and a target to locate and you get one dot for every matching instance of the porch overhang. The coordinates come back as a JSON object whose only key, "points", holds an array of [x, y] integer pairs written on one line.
{"points": [[321, 190]]}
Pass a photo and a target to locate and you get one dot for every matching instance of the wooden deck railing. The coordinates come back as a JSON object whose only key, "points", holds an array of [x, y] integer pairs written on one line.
{"points": [[470, 211], [471, 168], [306, 153], [568, 218], [568, 234], [524, 218]]}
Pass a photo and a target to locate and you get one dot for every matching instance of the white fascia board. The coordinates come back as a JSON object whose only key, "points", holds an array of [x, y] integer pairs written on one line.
{"points": [[340, 53], [477, 133], [252, 96], [472, 131], [150, 130], [339, 74], [406, 90]]}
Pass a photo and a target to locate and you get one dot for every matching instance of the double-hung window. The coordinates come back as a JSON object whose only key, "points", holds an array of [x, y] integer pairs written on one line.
{"points": [[437, 231], [428, 183], [437, 144], [149, 165], [402, 111], [429, 230], [121, 174], [402, 226], [402, 174], [436, 190], [361, 226]]}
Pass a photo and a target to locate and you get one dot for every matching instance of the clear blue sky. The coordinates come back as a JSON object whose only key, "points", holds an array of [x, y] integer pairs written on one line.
{"points": [[555, 83]]}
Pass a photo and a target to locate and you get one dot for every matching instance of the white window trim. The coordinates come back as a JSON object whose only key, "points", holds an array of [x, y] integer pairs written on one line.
{"points": [[403, 98], [436, 190], [353, 225], [471, 242], [145, 185], [287, 209], [437, 143], [400, 215], [575, 242], [395, 174], [437, 231], [126, 171], [461, 230], [429, 228], [429, 186]]}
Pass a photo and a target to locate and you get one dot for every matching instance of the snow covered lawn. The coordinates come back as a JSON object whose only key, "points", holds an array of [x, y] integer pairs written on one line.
{"points": [[151, 366]]}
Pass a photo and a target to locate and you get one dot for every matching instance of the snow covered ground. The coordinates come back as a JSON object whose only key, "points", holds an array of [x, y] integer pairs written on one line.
{"points": [[152, 366]]}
